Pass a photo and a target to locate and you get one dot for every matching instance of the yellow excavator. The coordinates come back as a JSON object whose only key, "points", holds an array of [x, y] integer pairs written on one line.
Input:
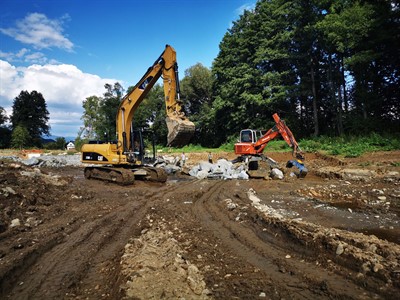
{"points": [[122, 161]]}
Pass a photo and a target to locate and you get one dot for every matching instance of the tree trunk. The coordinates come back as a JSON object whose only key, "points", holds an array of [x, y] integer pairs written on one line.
{"points": [[314, 91], [346, 105], [340, 115]]}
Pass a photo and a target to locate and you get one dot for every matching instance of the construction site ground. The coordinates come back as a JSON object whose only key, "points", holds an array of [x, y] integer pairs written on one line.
{"points": [[332, 235]]}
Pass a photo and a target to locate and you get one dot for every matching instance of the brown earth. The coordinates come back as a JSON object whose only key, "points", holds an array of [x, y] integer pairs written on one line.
{"points": [[334, 234]]}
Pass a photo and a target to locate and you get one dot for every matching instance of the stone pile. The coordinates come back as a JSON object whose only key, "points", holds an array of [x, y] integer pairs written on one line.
{"points": [[53, 161], [222, 169]]}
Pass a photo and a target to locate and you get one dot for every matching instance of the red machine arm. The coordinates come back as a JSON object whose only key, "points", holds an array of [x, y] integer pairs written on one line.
{"points": [[279, 128]]}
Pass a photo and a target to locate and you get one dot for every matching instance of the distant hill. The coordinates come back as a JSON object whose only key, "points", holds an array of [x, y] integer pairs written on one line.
{"points": [[53, 138], [47, 140]]}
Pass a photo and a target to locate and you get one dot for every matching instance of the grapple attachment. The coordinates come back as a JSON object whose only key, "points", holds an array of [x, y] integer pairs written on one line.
{"points": [[180, 131]]}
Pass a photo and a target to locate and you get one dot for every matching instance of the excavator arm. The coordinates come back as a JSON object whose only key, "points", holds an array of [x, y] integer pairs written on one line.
{"points": [[280, 128], [250, 148], [180, 129], [253, 146]]}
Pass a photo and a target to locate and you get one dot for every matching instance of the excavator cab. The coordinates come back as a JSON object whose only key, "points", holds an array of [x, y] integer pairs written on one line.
{"points": [[250, 135], [247, 140]]}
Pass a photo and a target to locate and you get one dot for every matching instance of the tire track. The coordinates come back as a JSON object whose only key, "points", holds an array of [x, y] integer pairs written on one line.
{"points": [[83, 262], [246, 242]]}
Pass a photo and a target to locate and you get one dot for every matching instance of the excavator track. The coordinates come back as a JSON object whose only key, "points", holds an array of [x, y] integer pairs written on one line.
{"points": [[126, 176], [116, 175], [154, 174]]}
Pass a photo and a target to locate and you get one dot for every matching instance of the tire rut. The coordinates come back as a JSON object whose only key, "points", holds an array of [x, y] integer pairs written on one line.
{"points": [[247, 242], [82, 262]]}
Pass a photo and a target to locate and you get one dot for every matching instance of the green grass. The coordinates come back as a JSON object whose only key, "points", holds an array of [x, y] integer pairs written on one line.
{"points": [[351, 146], [346, 146]]}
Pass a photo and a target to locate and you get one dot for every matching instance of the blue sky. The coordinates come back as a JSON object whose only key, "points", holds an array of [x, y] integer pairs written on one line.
{"points": [[68, 49]]}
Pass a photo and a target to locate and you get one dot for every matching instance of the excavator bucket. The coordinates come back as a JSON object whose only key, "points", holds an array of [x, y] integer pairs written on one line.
{"points": [[180, 131]]}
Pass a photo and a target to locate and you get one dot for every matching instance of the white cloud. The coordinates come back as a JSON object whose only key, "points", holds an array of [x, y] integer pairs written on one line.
{"points": [[247, 6], [27, 56], [41, 32], [63, 86]]}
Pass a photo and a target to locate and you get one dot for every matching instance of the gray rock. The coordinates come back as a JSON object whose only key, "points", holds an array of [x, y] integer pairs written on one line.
{"points": [[339, 249], [171, 169], [276, 174], [243, 175], [202, 174], [15, 223], [31, 162], [8, 190]]}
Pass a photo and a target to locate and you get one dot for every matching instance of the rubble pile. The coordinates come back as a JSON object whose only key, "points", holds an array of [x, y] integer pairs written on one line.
{"points": [[221, 169], [52, 161]]}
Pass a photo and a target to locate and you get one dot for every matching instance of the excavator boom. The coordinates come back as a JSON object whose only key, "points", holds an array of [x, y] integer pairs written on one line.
{"points": [[180, 129]]}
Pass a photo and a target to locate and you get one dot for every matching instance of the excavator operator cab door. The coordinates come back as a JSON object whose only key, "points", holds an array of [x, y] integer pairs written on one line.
{"points": [[248, 136]]}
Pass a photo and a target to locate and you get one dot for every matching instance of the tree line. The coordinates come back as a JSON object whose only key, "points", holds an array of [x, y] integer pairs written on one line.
{"points": [[327, 67]]}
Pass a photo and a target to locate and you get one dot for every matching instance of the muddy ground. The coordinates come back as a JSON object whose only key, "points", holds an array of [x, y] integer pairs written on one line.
{"points": [[334, 234]]}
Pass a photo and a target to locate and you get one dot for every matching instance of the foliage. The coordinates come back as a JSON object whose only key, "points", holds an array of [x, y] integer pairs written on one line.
{"points": [[5, 137], [5, 133], [79, 142], [196, 89], [3, 116], [327, 67], [20, 137], [30, 111], [100, 113], [352, 146], [346, 146], [59, 144], [150, 115]]}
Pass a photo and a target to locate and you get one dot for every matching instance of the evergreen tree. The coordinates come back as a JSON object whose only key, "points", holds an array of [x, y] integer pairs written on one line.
{"points": [[30, 111], [328, 67], [5, 133], [3, 116]]}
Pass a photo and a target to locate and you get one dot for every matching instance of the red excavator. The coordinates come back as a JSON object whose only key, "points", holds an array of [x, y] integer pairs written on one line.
{"points": [[252, 143]]}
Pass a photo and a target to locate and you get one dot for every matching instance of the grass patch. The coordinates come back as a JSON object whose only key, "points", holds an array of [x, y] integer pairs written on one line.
{"points": [[346, 146], [351, 146]]}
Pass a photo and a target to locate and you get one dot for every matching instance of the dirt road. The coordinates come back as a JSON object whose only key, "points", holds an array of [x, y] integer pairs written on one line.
{"points": [[334, 234]]}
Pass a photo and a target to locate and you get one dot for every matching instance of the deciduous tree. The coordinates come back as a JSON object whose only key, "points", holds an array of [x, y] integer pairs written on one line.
{"points": [[20, 137]]}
